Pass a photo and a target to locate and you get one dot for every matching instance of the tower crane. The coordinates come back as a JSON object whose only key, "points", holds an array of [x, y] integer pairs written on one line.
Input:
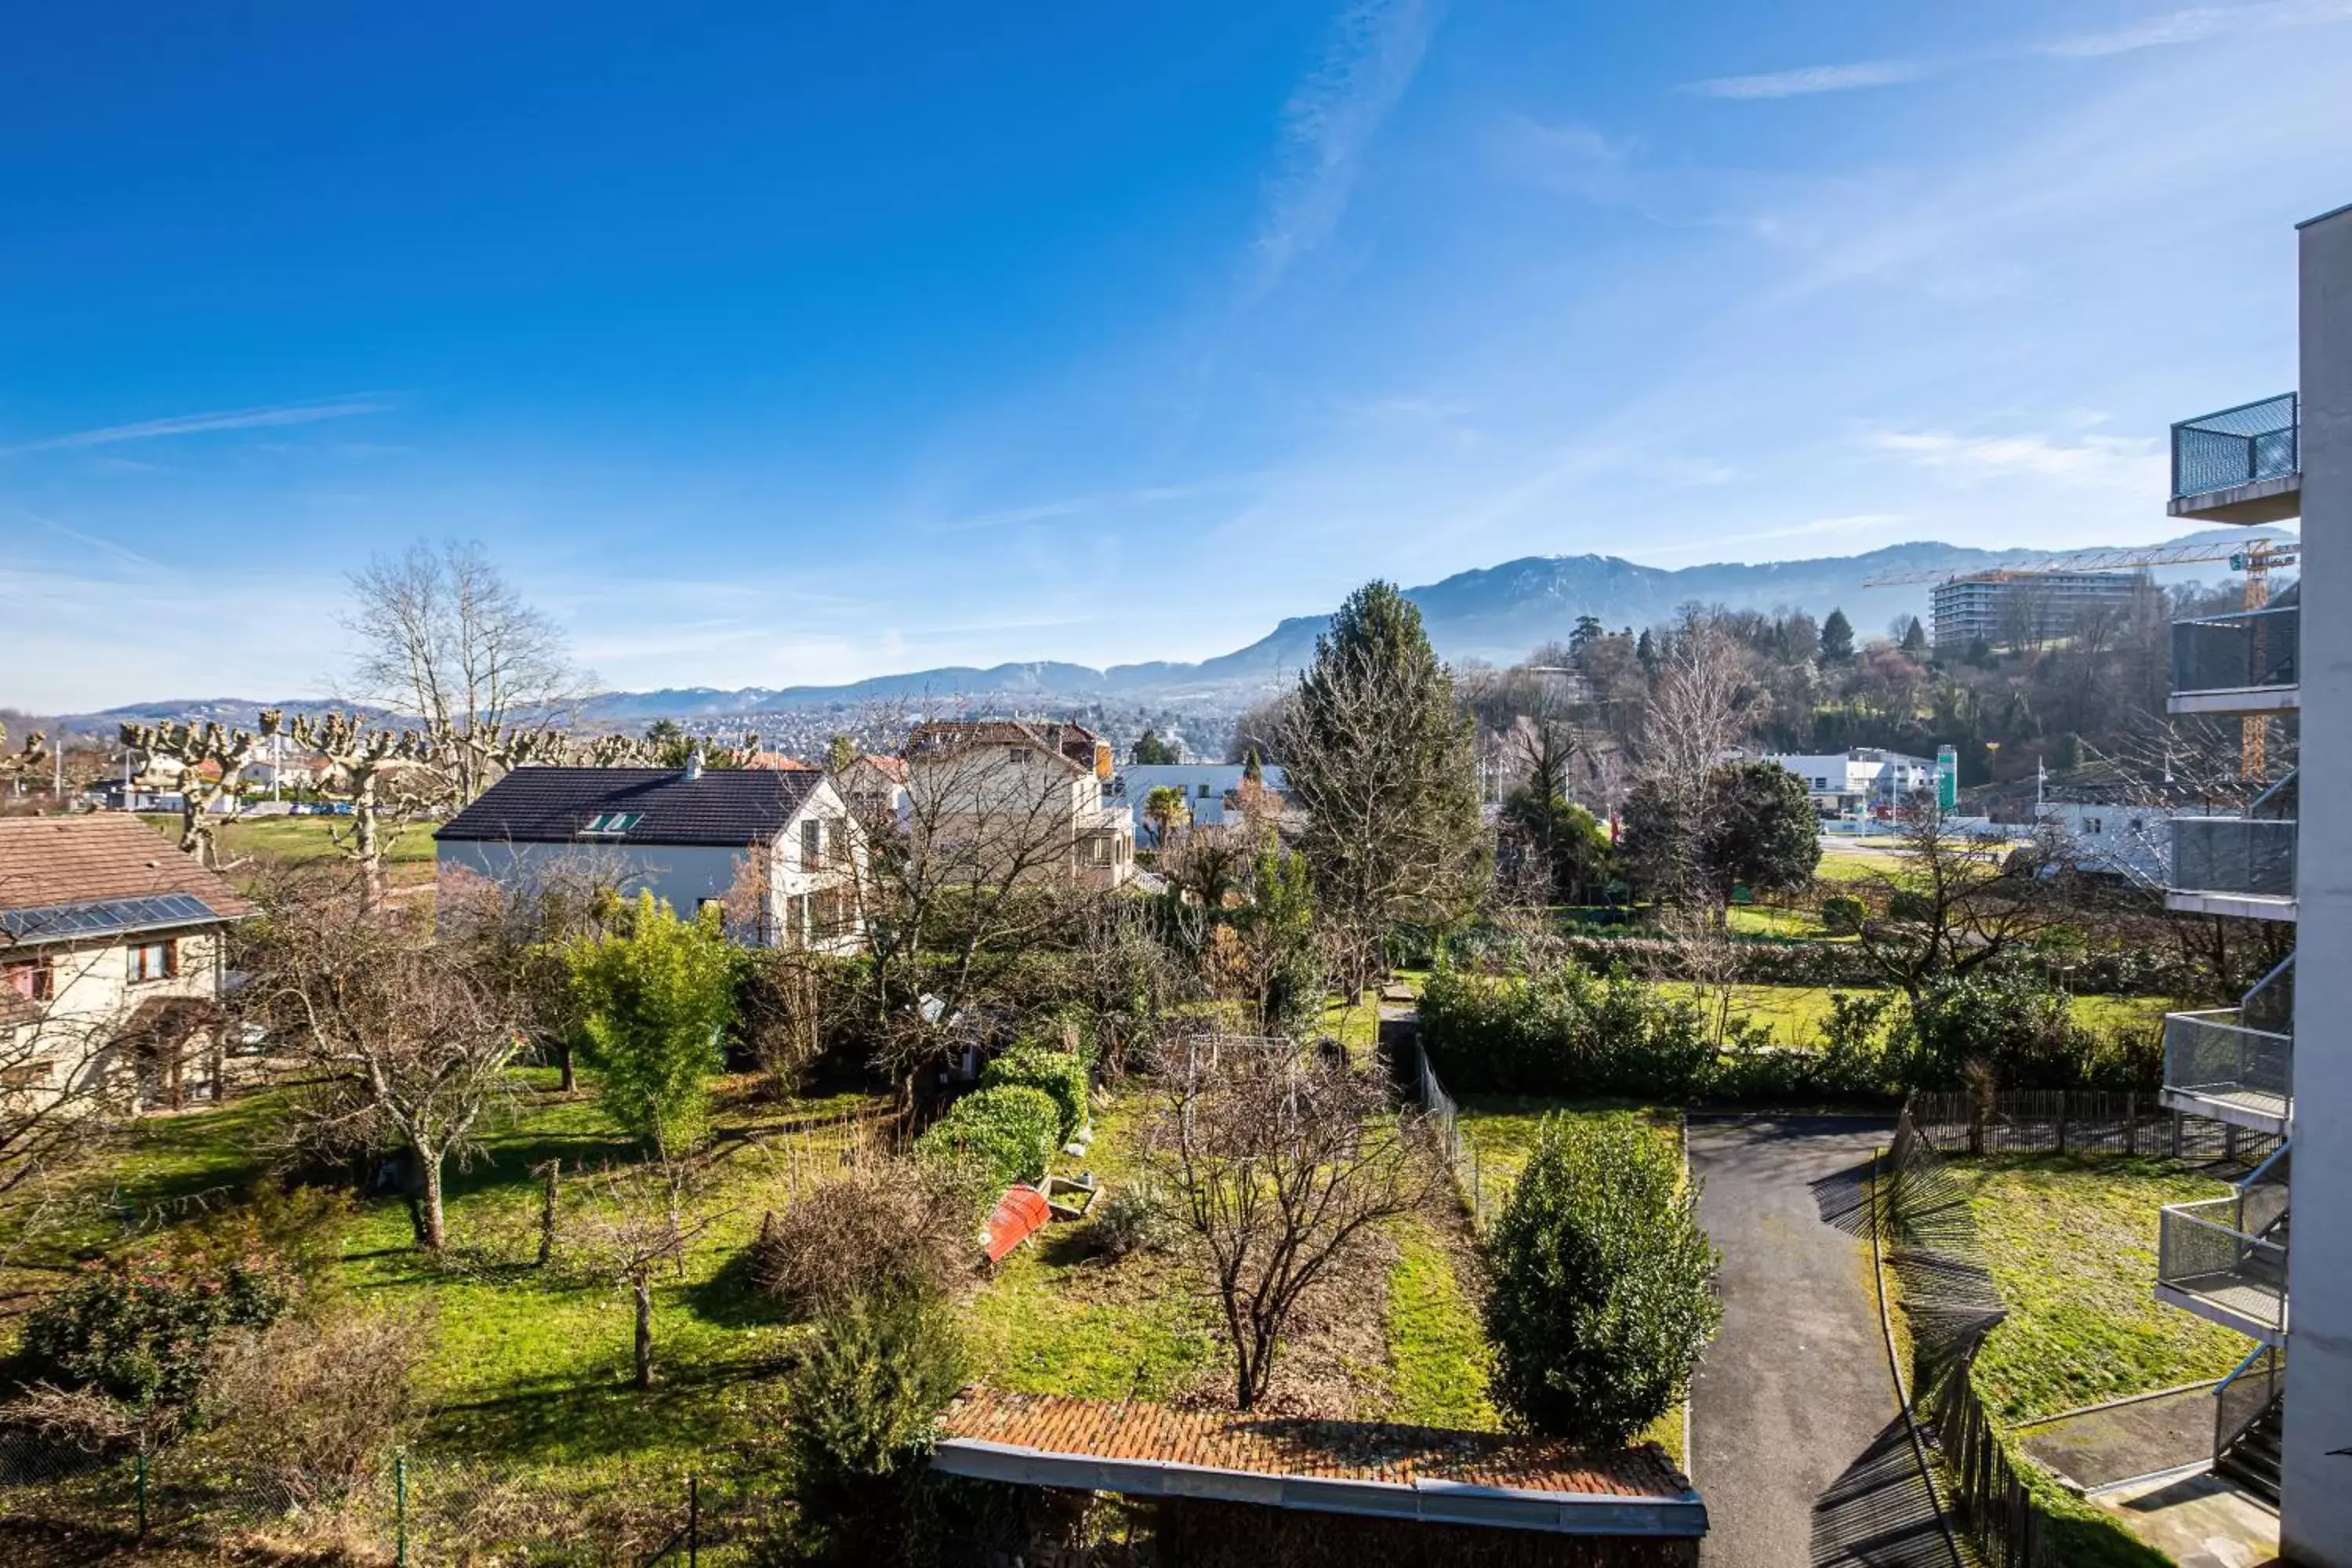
{"points": [[2257, 558]]}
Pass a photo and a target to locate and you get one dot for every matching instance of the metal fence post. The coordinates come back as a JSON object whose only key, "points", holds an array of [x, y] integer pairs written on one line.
{"points": [[400, 1509], [140, 1486]]}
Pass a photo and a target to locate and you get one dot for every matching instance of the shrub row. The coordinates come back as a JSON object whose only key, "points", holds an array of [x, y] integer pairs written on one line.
{"points": [[1007, 1134], [1060, 1076], [1799, 961], [1571, 1032]]}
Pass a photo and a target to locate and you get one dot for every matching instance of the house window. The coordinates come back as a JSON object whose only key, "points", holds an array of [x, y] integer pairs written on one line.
{"points": [[612, 824], [1017, 754], [35, 979], [1101, 849], [153, 960], [812, 845], [1205, 791]]}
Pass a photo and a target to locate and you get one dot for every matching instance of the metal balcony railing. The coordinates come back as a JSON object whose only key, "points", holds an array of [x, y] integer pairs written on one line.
{"points": [[2201, 1253], [2252, 442], [2235, 652], [2213, 1057], [2237, 855]]}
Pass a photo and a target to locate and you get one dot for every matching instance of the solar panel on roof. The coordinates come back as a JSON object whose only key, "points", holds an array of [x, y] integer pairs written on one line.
{"points": [[98, 917]]}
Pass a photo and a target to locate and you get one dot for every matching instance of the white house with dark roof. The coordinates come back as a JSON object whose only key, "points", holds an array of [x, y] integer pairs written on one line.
{"points": [[779, 839]]}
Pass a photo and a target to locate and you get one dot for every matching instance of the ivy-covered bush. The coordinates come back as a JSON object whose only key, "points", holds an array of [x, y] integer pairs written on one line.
{"points": [[1009, 1133], [1059, 1075], [1603, 1284], [139, 1329]]}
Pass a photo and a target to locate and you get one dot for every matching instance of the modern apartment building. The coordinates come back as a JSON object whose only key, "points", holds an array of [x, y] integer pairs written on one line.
{"points": [[2268, 1067], [2013, 608]]}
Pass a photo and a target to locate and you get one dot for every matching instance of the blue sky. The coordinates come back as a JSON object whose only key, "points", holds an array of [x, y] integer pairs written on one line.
{"points": [[772, 344]]}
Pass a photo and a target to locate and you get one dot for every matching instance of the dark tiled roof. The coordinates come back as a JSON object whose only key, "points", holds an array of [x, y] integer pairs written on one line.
{"points": [[65, 876], [731, 806]]}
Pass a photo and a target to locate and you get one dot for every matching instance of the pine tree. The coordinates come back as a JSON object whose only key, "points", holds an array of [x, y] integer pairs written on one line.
{"points": [[1837, 638], [1383, 761]]}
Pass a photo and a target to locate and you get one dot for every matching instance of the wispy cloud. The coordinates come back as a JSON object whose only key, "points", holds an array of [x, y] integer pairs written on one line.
{"points": [[2102, 460], [1808, 79], [1102, 502], [1860, 522], [2196, 24], [1376, 50], [2189, 25], [206, 424]]}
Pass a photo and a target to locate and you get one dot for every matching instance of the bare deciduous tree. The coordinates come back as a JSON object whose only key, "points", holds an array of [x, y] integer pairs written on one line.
{"points": [[446, 639], [405, 1044], [172, 756], [631, 1221], [1704, 703], [1280, 1159], [1955, 901], [982, 867]]}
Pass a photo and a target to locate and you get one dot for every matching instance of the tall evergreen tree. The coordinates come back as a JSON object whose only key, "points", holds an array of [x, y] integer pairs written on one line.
{"points": [[1382, 759], [1837, 638]]}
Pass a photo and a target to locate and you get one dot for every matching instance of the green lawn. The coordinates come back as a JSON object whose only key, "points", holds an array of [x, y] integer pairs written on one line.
{"points": [[1766, 919], [1795, 1013], [1437, 1348], [527, 1365], [2071, 1241], [299, 840]]}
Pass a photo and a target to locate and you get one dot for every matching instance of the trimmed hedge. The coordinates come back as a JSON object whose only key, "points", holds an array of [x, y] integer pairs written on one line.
{"points": [[1008, 1130], [1059, 1075], [1573, 1034]]}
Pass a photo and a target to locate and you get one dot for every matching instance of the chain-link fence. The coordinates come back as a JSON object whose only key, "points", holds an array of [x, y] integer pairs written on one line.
{"points": [[420, 1510], [1444, 1120]]}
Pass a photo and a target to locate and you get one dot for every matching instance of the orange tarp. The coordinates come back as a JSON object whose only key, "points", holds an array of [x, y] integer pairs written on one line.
{"points": [[1020, 1213]]}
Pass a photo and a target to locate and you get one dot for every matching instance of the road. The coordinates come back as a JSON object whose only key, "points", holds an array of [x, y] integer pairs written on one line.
{"points": [[1798, 1444]]}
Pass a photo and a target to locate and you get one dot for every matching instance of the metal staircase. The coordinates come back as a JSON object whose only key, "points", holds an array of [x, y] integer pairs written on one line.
{"points": [[2248, 1409]]}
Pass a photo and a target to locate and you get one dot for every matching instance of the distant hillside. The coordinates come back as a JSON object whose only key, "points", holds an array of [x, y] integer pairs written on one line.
{"points": [[1495, 612]]}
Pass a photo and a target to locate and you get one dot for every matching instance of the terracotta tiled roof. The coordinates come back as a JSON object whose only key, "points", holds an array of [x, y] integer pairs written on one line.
{"points": [[52, 860], [894, 766], [1359, 1451], [781, 762]]}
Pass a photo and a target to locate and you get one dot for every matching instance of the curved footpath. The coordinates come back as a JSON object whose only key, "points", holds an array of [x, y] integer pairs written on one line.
{"points": [[1797, 1442]]}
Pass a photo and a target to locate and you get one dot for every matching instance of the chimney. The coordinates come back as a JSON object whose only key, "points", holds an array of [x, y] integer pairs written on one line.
{"points": [[693, 763]]}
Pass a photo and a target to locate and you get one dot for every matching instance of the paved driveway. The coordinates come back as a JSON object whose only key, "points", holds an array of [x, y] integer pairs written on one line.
{"points": [[1798, 1444]]}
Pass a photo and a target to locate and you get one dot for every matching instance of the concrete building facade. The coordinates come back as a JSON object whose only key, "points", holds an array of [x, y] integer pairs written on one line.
{"points": [[2315, 1503], [2271, 1066], [2008, 607]]}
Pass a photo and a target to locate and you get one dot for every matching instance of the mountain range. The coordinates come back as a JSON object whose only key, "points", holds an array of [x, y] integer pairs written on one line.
{"points": [[1494, 613]]}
